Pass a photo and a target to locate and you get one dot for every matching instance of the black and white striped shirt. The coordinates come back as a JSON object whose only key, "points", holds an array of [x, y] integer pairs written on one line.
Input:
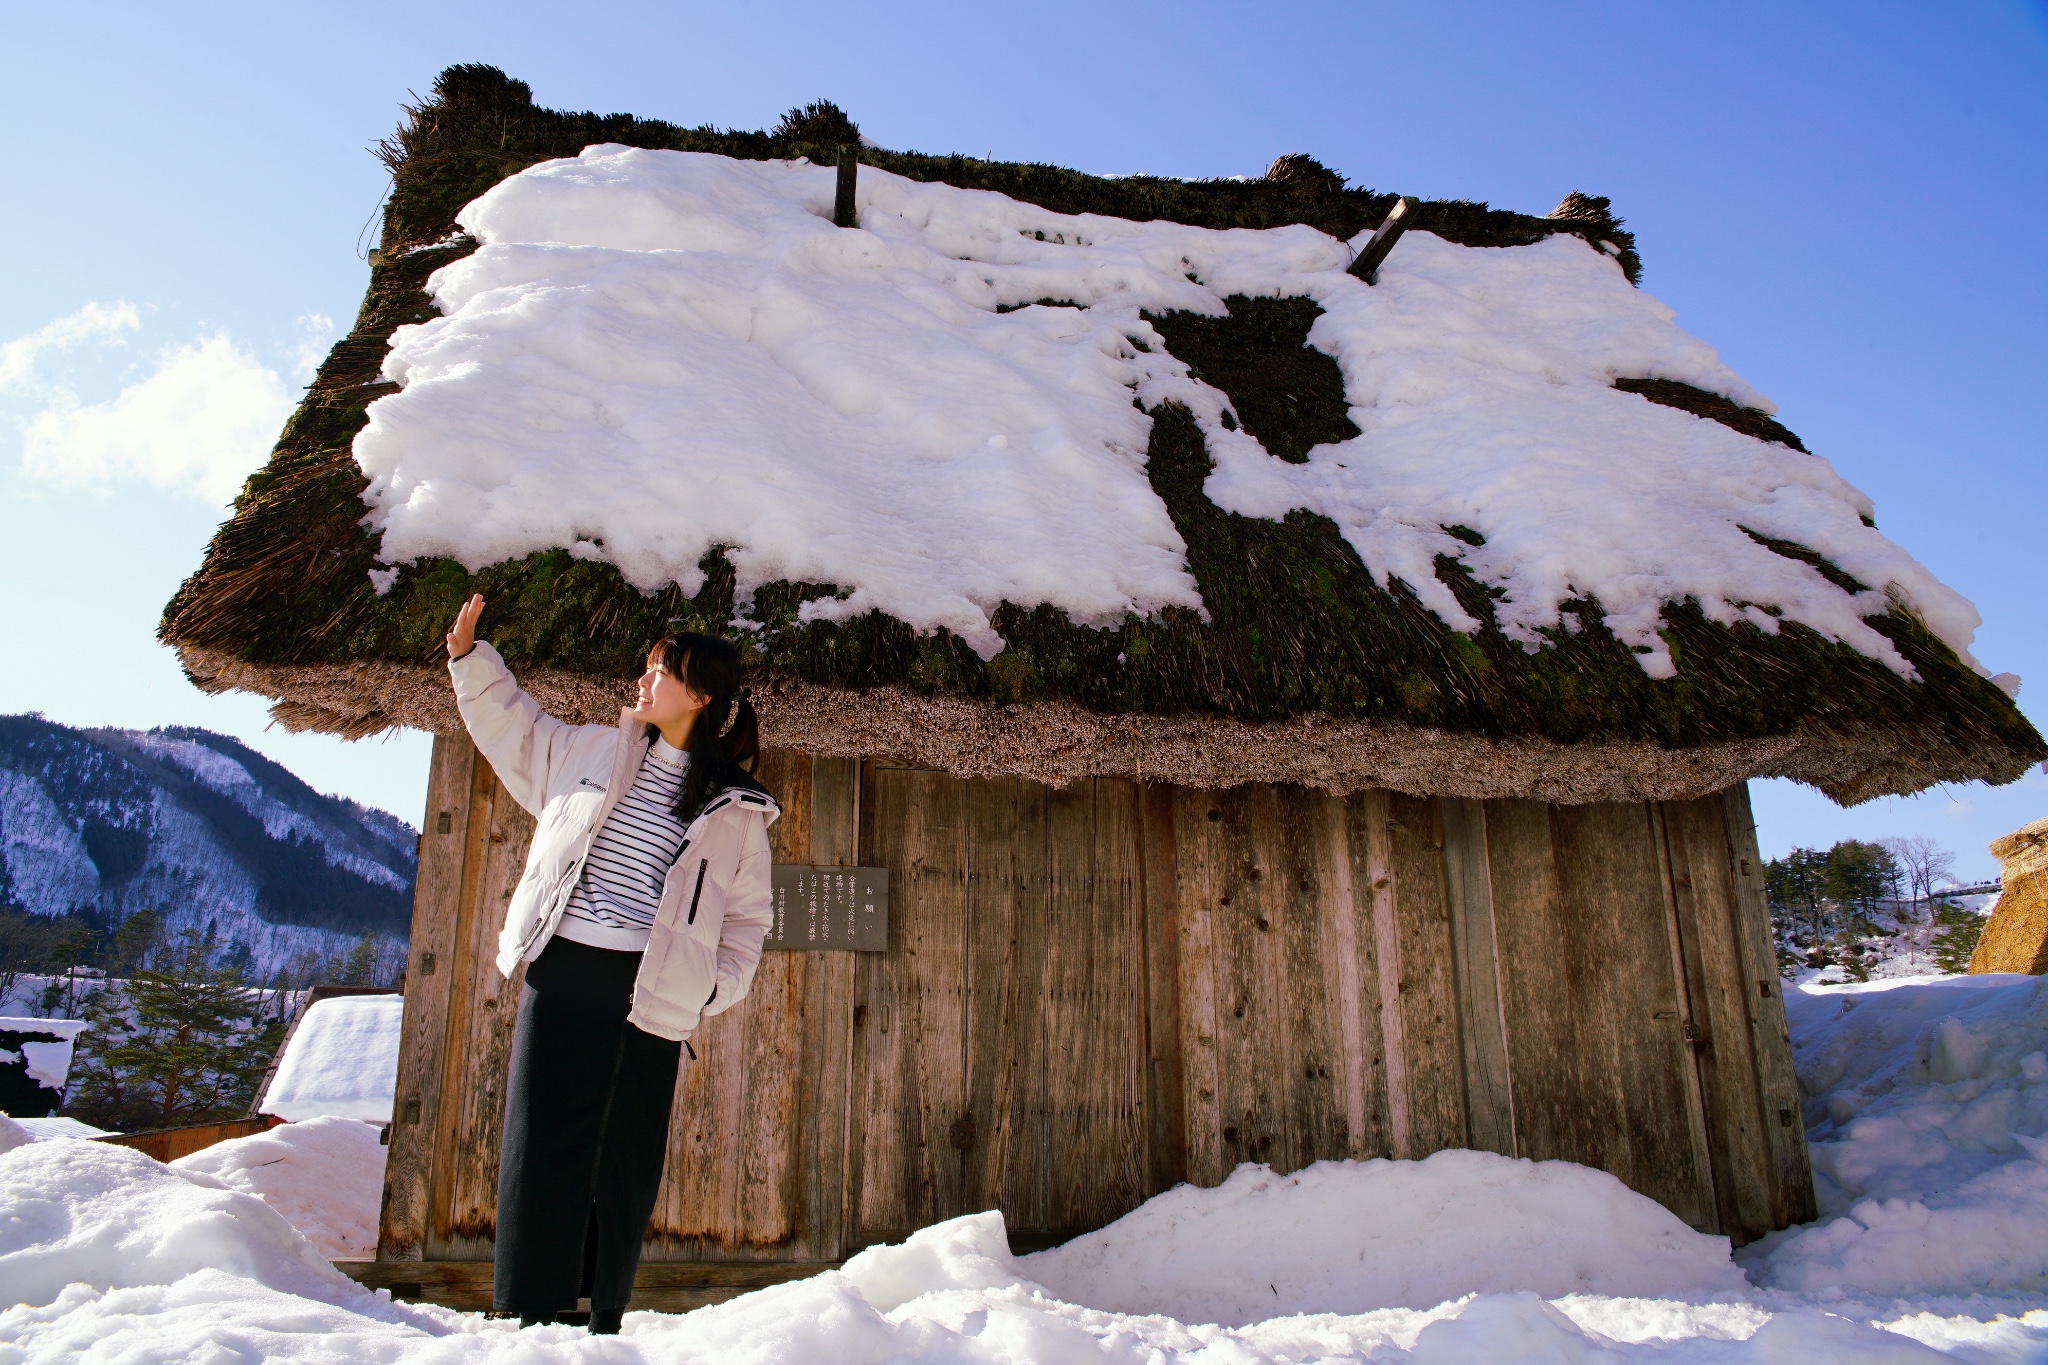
{"points": [[615, 899]]}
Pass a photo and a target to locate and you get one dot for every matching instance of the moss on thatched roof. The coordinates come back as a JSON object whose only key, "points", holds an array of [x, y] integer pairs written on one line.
{"points": [[1299, 635]]}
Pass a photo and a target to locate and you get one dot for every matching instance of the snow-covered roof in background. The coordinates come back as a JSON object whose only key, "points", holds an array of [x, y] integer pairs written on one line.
{"points": [[657, 352], [342, 1060]]}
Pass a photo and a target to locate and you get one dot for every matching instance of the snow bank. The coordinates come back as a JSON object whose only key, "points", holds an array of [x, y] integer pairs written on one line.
{"points": [[1927, 1112], [13, 1135], [1346, 1237], [655, 352], [162, 1264], [342, 1061], [95, 1214], [325, 1175]]}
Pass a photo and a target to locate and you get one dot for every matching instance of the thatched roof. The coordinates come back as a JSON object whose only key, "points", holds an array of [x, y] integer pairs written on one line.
{"points": [[1299, 666]]}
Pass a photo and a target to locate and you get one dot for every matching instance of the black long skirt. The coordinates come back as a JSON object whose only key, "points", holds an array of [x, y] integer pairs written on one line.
{"points": [[586, 1130]]}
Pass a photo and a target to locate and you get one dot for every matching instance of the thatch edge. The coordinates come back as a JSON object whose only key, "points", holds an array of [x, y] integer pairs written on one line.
{"points": [[1058, 743]]}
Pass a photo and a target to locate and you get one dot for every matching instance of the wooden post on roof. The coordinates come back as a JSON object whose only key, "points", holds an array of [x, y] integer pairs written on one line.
{"points": [[843, 213], [1367, 265]]}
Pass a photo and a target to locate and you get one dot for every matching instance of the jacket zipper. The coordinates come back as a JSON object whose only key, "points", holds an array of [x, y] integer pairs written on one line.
{"points": [[691, 918]]}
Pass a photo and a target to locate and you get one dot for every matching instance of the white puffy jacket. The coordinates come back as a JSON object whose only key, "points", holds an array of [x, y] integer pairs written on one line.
{"points": [[715, 905]]}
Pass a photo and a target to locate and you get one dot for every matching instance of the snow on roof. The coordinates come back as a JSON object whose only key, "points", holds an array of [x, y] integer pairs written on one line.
{"points": [[342, 1060], [655, 353], [56, 1126]]}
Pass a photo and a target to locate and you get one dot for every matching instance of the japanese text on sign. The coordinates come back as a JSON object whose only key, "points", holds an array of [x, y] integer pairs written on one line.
{"points": [[830, 908]]}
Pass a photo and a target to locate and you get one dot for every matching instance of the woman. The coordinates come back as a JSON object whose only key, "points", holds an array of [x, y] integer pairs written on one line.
{"points": [[642, 909]]}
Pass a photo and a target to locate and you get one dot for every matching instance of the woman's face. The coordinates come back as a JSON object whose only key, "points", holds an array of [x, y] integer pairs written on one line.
{"points": [[665, 699]]}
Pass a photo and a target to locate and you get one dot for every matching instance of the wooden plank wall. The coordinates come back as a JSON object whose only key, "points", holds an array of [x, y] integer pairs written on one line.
{"points": [[1094, 993]]}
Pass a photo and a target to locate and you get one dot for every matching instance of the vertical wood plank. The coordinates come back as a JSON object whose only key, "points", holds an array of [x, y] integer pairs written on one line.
{"points": [[909, 1086], [1093, 1031], [1302, 906], [1704, 880], [480, 1048], [1251, 1062], [1431, 1053], [1166, 1096], [1489, 1094], [824, 1097], [1564, 1103], [1197, 895], [462, 968], [1343, 979], [1371, 829], [1784, 1125], [409, 1164], [998, 1138], [1624, 1034], [1688, 1055]]}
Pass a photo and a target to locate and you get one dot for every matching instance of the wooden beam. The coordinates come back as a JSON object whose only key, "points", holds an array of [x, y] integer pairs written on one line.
{"points": [[1368, 262]]}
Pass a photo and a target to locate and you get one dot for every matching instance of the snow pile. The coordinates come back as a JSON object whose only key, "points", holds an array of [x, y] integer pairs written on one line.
{"points": [[326, 1176], [342, 1060], [96, 1214], [114, 1257], [1927, 1113], [654, 353], [1464, 1257], [13, 1134], [1347, 1237]]}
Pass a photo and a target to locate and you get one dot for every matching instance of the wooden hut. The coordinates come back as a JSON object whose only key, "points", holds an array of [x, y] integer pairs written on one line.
{"points": [[1303, 873]]}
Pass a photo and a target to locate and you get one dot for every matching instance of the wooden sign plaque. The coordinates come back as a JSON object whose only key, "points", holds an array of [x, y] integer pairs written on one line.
{"points": [[830, 908]]}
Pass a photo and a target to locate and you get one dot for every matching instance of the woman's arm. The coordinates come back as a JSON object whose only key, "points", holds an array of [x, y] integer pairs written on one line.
{"points": [[749, 912], [522, 742]]}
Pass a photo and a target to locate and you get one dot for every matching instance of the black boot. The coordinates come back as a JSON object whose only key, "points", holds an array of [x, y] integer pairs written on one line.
{"points": [[604, 1322]]}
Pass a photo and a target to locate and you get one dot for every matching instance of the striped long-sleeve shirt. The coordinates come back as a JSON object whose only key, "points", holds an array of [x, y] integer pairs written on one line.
{"points": [[615, 899]]}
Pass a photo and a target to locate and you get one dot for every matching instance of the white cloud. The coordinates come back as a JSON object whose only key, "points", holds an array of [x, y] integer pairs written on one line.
{"points": [[316, 336], [101, 323], [200, 424]]}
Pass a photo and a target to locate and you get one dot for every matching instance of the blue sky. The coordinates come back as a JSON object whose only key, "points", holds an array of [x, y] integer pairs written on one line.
{"points": [[1847, 199]]}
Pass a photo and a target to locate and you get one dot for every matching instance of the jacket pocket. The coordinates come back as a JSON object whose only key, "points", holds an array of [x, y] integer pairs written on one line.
{"points": [[698, 893]]}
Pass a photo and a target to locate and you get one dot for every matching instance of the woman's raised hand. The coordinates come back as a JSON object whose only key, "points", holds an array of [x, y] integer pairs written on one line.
{"points": [[461, 636]]}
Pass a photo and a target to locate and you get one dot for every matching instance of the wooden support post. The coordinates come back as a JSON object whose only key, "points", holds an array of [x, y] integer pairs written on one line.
{"points": [[843, 212], [1367, 266], [1784, 1122]]}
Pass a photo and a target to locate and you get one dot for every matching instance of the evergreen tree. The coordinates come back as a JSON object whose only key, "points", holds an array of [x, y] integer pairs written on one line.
{"points": [[133, 942], [358, 967], [1956, 931], [182, 1043], [1796, 886]]}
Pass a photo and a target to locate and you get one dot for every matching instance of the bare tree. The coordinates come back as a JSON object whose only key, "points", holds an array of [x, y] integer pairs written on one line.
{"points": [[1922, 862]]}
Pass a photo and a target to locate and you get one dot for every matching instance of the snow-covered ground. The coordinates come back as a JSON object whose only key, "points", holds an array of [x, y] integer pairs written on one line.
{"points": [[1927, 1103]]}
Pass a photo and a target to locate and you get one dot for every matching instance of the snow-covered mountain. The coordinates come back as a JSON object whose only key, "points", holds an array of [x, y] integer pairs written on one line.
{"points": [[201, 829]]}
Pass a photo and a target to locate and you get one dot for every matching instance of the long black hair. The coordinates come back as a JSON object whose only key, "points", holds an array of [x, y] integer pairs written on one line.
{"points": [[726, 740]]}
